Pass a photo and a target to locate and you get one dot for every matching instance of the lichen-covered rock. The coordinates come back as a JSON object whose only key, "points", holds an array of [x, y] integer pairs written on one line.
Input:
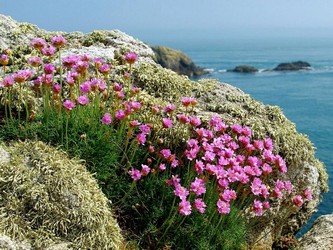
{"points": [[320, 236], [49, 199], [177, 61]]}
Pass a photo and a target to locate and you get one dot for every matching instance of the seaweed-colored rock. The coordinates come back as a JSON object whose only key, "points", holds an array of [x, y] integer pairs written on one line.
{"points": [[244, 69], [177, 61], [293, 66], [48, 199]]}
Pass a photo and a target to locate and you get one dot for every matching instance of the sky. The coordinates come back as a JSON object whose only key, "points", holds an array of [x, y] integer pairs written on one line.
{"points": [[155, 21]]}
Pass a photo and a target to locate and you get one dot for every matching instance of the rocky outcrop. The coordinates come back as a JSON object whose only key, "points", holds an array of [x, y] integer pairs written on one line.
{"points": [[177, 61], [161, 86], [293, 66], [320, 236], [244, 69], [49, 200]]}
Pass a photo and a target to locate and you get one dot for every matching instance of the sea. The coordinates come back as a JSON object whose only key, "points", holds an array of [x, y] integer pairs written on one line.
{"points": [[305, 97]]}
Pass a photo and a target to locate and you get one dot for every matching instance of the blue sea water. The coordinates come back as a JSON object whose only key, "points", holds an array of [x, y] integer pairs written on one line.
{"points": [[306, 97]]}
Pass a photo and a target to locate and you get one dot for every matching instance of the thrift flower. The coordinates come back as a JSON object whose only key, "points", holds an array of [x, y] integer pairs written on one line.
{"points": [[104, 69], [258, 208], [35, 61], [298, 200], [161, 167], [49, 69], [48, 51], [131, 57], [141, 139], [169, 108], [85, 87], [185, 207], [58, 41], [68, 105], [198, 186], [56, 88], [83, 100], [181, 192], [308, 194], [8, 81], [106, 119], [199, 205], [38, 43], [223, 207], [145, 170], [167, 123], [135, 174], [4, 59], [120, 115]]}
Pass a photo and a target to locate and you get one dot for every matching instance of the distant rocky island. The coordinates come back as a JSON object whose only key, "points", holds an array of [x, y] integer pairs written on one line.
{"points": [[292, 66], [289, 66], [177, 61]]}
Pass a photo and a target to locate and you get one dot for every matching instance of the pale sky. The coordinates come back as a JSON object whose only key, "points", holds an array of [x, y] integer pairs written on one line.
{"points": [[151, 20]]}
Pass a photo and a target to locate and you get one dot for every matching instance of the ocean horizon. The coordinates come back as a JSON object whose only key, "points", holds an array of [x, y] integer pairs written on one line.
{"points": [[305, 97]]}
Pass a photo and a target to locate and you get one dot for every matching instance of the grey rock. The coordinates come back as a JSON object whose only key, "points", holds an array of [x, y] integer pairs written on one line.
{"points": [[293, 66], [320, 236], [244, 69]]}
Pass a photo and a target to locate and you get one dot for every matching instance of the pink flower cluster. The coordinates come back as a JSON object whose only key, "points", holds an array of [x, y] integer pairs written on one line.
{"points": [[229, 157]]}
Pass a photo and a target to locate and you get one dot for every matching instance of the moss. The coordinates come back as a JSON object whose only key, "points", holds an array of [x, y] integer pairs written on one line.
{"points": [[96, 36], [163, 83], [47, 198]]}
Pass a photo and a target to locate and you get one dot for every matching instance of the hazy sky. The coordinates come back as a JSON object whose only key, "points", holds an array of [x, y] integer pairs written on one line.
{"points": [[152, 20]]}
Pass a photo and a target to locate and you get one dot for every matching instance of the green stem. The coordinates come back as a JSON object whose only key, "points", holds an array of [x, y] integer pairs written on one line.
{"points": [[66, 129]]}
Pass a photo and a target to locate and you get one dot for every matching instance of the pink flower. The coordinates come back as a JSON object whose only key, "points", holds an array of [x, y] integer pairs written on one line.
{"points": [[70, 61], [141, 139], [266, 205], [198, 186], [185, 207], [266, 169], [145, 170], [258, 208], [298, 200], [35, 61], [85, 87], [155, 109], [120, 115], [56, 88], [195, 121], [134, 123], [288, 186], [4, 59], [228, 195], [161, 167], [174, 181], [167, 123], [38, 43], [117, 87], [145, 129], [169, 108], [106, 119], [8, 81], [187, 101], [199, 205], [81, 67], [277, 193], [258, 144], [199, 167], [68, 105], [166, 153], [223, 207], [105, 69], [174, 163], [307, 194], [49, 69], [256, 186], [236, 128], [181, 192], [131, 57], [183, 118], [98, 62], [268, 144], [22, 75], [58, 41], [48, 51], [135, 174], [83, 100]]}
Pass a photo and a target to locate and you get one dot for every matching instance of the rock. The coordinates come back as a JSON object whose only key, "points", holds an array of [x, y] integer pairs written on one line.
{"points": [[244, 69], [51, 201], [6, 243], [320, 236], [299, 65], [177, 61]]}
